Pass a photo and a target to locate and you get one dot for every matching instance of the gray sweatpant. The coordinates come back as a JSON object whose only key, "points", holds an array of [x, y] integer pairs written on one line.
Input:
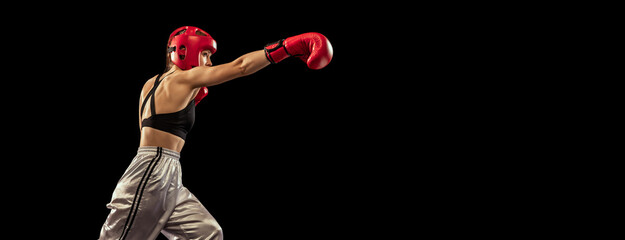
{"points": [[149, 198]]}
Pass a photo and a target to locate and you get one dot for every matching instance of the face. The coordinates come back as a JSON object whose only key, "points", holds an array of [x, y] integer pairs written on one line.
{"points": [[205, 58]]}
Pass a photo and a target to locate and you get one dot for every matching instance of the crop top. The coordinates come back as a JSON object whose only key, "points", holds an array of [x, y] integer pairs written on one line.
{"points": [[178, 123]]}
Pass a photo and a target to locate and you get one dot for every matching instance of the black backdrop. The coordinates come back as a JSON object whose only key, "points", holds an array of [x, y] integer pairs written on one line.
{"points": [[278, 154], [347, 151], [267, 151]]}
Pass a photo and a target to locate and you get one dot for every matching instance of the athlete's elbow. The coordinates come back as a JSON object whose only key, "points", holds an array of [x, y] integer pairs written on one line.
{"points": [[251, 63], [244, 68]]}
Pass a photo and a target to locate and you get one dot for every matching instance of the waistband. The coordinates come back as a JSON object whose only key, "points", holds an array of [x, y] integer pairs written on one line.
{"points": [[155, 150]]}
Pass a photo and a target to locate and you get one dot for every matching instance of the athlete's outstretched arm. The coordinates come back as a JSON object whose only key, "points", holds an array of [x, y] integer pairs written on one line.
{"points": [[312, 48], [247, 64]]}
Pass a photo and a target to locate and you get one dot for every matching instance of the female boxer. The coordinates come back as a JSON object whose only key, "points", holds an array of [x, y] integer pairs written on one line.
{"points": [[149, 197]]}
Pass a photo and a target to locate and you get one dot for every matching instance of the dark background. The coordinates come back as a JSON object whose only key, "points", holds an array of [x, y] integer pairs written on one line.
{"points": [[284, 153], [379, 141], [269, 155]]}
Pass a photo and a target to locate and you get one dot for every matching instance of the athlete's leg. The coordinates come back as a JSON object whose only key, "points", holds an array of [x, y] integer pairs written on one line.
{"points": [[144, 197], [191, 220]]}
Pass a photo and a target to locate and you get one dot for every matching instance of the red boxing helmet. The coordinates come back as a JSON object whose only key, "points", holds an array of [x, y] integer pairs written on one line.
{"points": [[187, 43]]}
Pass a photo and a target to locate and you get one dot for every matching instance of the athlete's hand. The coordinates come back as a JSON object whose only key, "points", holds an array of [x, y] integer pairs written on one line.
{"points": [[201, 94], [313, 48]]}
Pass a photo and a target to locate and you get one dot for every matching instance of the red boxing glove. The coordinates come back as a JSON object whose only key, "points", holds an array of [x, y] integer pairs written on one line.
{"points": [[313, 48], [201, 94]]}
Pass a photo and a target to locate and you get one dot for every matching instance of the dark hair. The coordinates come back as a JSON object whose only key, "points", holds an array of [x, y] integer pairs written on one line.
{"points": [[168, 63]]}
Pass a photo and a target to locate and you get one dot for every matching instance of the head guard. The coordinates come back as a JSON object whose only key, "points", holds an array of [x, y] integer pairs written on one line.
{"points": [[186, 43]]}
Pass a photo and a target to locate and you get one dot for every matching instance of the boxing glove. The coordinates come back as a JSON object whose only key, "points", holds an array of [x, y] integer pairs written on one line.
{"points": [[312, 48], [201, 94]]}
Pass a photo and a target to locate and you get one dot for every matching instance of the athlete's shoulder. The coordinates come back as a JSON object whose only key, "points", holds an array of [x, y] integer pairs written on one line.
{"points": [[148, 85]]}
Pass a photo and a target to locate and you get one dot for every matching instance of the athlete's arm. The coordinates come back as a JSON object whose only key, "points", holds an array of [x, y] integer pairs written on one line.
{"points": [[312, 48], [247, 64]]}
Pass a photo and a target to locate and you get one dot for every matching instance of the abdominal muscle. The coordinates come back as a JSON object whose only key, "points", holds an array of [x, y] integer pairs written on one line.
{"points": [[158, 138]]}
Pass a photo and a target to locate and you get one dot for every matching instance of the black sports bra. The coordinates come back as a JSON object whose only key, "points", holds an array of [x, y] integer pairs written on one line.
{"points": [[178, 123]]}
